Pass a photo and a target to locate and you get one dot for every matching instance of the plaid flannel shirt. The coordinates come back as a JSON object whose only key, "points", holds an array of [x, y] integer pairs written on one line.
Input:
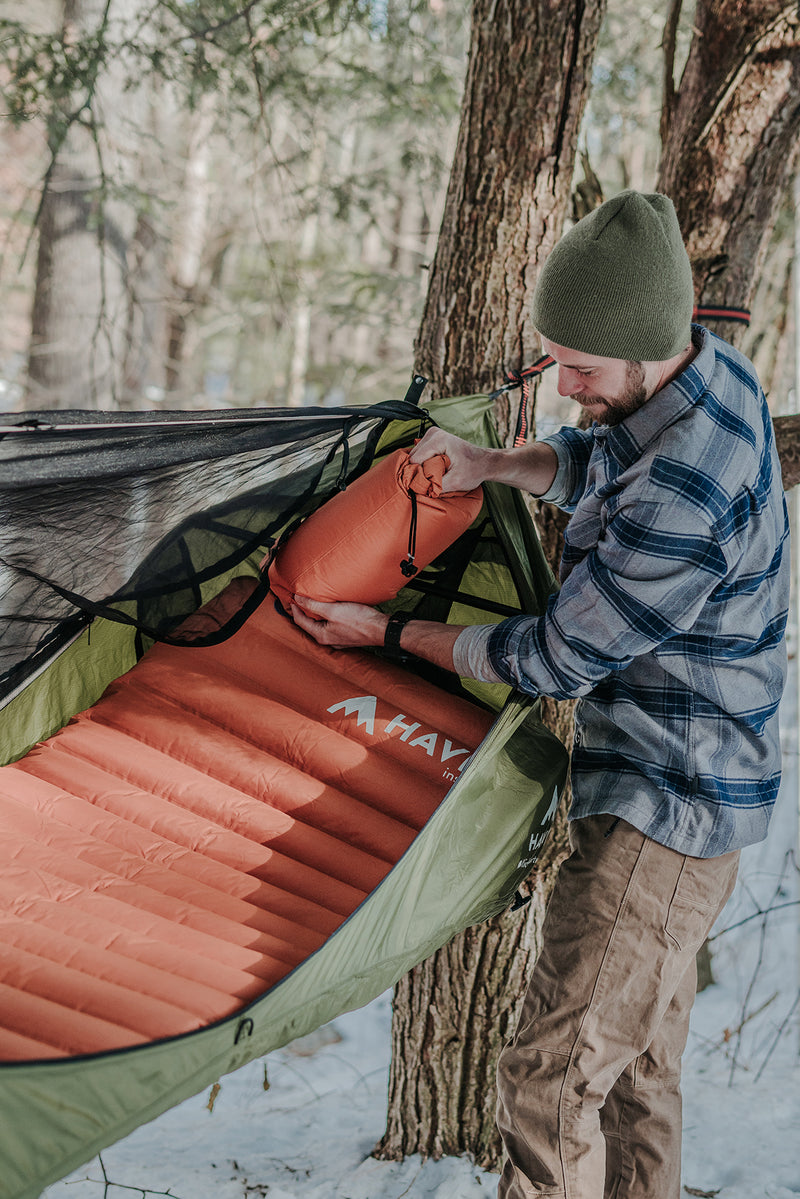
{"points": [[669, 625]]}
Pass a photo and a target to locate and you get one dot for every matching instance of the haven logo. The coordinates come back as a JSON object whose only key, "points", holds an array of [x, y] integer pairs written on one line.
{"points": [[435, 745], [537, 839]]}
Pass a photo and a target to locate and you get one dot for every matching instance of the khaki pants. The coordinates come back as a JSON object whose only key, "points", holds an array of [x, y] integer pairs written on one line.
{"points": [[589, 1088]]}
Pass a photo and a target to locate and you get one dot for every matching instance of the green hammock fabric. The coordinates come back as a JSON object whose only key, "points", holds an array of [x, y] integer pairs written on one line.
{"points": [[118, 529]]}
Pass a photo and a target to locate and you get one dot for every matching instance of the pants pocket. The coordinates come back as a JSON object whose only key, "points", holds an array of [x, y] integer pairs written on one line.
{"points": [[701, 892]]}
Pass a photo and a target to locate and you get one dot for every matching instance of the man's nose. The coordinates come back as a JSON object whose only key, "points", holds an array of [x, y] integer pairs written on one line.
{"points": [[567, 381]]}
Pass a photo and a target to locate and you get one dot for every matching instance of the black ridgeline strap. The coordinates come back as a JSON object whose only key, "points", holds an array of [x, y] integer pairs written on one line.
{"points": [[344, 442], [457, 596], [103, 609], [407, 566]]}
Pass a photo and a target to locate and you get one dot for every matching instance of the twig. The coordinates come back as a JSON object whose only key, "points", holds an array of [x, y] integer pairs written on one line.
{"points": [[791, 903], [731, 1033], [778, 1035], [764, 914], [107, 1183], [410, 1185], [208, 33]]}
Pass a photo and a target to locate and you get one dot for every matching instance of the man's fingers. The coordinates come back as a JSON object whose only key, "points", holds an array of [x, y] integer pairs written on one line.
{"points": [[431, 443], [315, 627], [309, 605]]}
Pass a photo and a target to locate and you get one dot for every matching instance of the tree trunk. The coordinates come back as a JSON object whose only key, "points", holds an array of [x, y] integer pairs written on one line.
{"points": [[81, 305], [526, 87], [731, 136], [730, 148], [730, 153], [509, 192], [306, 282], [189, 240], [450, 1019]]}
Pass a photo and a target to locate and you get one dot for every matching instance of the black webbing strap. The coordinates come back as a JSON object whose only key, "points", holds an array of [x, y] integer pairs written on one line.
{"points": [[415, 390], [103, 608]]}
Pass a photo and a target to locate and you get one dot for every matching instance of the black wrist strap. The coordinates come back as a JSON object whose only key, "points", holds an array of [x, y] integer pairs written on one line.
{"points": [[397, 622]]}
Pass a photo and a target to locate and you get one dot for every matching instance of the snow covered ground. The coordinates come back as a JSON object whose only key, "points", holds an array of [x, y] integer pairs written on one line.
{"points": [[309, 1136]]}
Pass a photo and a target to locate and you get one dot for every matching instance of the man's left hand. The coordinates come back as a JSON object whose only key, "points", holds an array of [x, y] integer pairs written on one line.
{"points": [[338, 625]]}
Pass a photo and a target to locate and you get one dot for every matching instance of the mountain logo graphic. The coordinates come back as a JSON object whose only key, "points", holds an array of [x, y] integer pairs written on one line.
{"points": [[361, 706], [365, 708]]}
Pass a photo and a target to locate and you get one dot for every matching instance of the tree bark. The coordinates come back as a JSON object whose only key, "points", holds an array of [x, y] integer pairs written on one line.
{"points": [[731, 151], [731, 142], [525, 92], [509, 191]]}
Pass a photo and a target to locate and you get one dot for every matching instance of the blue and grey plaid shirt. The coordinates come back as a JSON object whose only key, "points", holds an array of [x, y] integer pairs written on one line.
{"points": [[670, 620]]}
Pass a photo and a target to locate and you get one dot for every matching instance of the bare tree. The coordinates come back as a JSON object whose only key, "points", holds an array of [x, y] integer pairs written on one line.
{"points": [[86, 223]]}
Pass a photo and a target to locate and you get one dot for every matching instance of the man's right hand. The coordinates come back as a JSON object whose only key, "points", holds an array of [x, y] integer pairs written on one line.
{"points": [[469, 464], [531, 467]]}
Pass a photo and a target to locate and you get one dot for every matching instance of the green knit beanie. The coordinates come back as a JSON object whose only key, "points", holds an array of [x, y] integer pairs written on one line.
{"points": [[618, 284]]}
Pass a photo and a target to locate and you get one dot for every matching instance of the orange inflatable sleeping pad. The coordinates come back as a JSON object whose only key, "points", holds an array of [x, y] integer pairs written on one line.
{"points": [[181, 846]]}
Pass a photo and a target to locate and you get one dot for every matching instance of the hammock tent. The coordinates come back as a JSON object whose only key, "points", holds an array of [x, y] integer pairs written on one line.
{"points": [[218, 836]]}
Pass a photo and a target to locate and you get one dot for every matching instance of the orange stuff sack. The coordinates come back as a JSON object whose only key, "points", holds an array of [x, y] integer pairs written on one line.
{"points": [[366, 542]]}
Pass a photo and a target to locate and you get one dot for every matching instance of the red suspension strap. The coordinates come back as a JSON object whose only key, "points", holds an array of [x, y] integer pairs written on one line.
{"points": [[523, 378], [711, 313]]}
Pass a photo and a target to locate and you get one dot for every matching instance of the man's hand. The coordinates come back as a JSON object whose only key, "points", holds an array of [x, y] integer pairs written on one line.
{"points": [[530, 467], [347, 626], [469, 463], [339, 625]]}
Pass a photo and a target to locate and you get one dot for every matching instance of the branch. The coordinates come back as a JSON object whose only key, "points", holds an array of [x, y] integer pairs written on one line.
{"points": [[791, 903], [737, 69], [209, 32], [764, 913], [778, 1035], [107, 1184], [668, 46]]}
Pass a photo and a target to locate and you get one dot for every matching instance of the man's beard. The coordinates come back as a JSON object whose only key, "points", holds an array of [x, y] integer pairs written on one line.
{"points": [[632, 399]]}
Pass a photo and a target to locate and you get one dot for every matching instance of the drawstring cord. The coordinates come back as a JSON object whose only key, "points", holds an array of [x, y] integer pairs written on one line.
{"points": [[407, 566]]}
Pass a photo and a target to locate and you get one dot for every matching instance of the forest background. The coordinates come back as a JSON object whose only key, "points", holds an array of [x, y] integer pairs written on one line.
{"points": [[274, 195]]}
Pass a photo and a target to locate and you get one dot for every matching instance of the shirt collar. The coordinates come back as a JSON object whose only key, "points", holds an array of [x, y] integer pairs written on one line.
{"points": [[628, 440]]}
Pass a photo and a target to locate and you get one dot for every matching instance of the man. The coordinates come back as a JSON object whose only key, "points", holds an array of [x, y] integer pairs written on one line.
{"points": [[668, 628]]}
